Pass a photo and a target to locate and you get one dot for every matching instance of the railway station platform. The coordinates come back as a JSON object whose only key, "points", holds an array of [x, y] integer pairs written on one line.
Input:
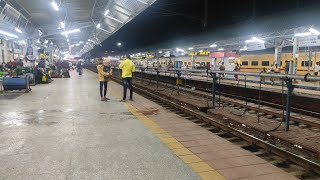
{"points": [[63, 131]]}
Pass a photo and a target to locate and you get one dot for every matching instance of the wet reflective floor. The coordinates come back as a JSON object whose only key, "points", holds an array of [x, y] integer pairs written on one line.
{"points": [[63, 131]]}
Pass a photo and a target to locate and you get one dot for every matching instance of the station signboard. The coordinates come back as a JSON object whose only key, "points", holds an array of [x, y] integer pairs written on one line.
{"points": [[193, 53], [309, 41], [202, 53], [255, 46], [232, 54]]}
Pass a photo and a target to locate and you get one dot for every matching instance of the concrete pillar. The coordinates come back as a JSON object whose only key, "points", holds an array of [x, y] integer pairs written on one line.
{"points": [[277, 56], [295, 54]]}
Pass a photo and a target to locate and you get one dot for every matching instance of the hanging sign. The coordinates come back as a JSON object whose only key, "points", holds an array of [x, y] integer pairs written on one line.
{"points": [[255, 46], [308, 41], [193, 53], [217, 54], [232, 54], [150, 56], [166, 54], [204, 53]]}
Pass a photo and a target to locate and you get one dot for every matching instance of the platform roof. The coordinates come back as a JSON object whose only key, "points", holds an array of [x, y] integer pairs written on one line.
{"points": [[30, 16]]}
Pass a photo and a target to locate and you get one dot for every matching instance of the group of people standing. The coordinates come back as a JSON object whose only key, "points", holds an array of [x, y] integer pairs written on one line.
{"points": [[105, 73]]}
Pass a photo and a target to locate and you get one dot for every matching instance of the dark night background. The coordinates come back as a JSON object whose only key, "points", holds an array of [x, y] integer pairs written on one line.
{"points": [[167, 20]]}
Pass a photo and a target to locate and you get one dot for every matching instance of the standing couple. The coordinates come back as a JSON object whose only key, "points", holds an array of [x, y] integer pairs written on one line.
{"points": [[105, 72]]}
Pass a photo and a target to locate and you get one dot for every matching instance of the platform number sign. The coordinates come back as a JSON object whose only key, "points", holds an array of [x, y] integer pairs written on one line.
{"points": [[255, 46]]}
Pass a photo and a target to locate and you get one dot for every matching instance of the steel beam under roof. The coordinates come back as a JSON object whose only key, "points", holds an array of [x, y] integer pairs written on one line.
{"points": [[81, 14]]}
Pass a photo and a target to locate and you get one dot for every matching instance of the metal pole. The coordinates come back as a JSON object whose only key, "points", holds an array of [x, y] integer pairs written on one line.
{"points": [[214, 89], [158, 72], [288, 103], [309, 63]]}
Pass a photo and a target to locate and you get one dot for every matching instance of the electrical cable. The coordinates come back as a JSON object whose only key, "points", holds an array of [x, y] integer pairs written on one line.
{"points": [[246, 98], [283, 109]]}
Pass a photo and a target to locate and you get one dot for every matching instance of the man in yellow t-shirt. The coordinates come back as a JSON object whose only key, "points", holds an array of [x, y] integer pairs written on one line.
{"points": [[128, 68]]}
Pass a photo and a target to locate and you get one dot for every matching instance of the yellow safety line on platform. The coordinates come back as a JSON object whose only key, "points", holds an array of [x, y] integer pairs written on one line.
{"points": [[196, 164]]}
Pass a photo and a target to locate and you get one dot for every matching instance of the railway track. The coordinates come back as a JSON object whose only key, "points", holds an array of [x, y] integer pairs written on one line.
{"points": [[304, 121], [302, 104], [302, 161], [290, 162]]}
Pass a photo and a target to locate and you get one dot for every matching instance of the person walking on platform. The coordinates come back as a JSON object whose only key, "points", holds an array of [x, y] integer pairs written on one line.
{"points": [[79, 67], [128, 68], [103, 79], [222, 68]]}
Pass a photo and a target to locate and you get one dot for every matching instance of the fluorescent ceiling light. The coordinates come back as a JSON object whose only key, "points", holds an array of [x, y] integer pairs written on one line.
{"points": [[160, 52], [38, 41], [8, 34], [107, 12], [200, 50], [77, 44], [213, 45], [143, 2], [303, 34], [220, 49], [105, 30], [99, 25], [119, 44], [314, 31], [190, 48], [71, 31], [258, 40], [55, 6], [67, 40], [81, 42], [18, 30], [71, 46], [254, 39], [179, 50], [114, 19], [62, 24], [243, 49]]}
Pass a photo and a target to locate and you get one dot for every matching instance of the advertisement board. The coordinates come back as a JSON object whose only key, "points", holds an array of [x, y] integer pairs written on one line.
{"points": [[217, 55]]}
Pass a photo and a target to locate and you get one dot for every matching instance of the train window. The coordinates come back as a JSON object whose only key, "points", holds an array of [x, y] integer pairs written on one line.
{"points": [[306, 63], [254, 63], [265, 63], [245, 63]]}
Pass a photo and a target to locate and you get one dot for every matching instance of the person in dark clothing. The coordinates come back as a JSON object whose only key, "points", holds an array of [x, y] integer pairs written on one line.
{"points": [[79, 67]]}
